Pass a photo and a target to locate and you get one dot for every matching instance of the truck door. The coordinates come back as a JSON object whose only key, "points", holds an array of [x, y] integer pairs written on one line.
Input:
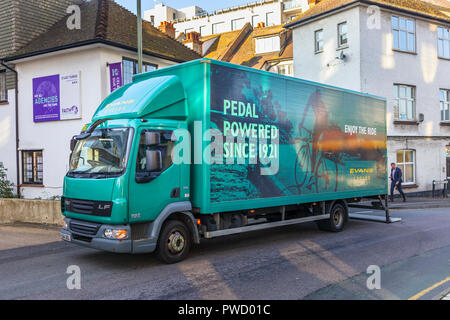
{"points": [[150, 194]]}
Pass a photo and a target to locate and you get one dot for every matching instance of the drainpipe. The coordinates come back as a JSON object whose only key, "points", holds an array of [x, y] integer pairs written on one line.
{"points": [[16, 80]]}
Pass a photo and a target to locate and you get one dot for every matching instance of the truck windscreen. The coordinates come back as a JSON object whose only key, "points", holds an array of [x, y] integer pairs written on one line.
{"points": [[103, 154]]}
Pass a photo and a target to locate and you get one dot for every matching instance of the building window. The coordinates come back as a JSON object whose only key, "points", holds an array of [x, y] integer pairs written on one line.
{"points": [[130, 68], [202, 30], [342, 34], [286, 69], [444, 42], [445, 104], [237, 24], [406, 162], [270, 19], [268, 44], [217, 27], [404, 99], [255, 20], [3, 89], [318, 40], [404, 34], [32, 164]]}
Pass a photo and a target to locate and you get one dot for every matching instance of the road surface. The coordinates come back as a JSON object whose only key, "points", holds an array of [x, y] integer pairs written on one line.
{"points": [[295, 262]]}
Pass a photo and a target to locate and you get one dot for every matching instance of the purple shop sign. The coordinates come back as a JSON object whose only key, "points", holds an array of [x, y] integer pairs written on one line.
{"points": [[115, 75], [46, 99]]}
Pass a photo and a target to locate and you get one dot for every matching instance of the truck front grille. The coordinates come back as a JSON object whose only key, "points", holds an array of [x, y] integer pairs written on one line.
{"points": [[88, 207], [84, 228]]}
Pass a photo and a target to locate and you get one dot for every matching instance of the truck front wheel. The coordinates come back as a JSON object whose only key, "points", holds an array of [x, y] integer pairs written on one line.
{"points": [[174, 242], [336, 221]]}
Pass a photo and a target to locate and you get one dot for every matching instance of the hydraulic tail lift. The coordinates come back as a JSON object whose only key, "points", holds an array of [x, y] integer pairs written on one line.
{"points": [[376, 203]]}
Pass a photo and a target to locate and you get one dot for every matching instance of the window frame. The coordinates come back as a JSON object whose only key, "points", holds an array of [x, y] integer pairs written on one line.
{"points": [[414, 99], [402, 165], [399, 30], [443, 103], [254, 22], [216, 24], [339, 44], [233, 27], [267, 18], [135, 66], [34, 166], [274, 49], [316, 41], [5, 90], [289, 65], [444, 40]]}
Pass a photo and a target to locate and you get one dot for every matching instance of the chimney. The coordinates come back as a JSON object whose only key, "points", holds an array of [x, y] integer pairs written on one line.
{"points": [[312, 3], [167, 28], [260, 25], [193, 42]]}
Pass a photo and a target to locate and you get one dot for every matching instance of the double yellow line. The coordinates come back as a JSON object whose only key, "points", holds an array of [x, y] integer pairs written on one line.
{"points": [[423, 292]]}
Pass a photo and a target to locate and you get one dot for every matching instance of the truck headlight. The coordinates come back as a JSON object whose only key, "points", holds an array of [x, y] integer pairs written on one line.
{"points": [[65, 226], [118, 234]]}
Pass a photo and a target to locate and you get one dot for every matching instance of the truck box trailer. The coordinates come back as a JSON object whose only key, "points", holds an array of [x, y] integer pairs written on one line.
{"points": [[207, 148]]}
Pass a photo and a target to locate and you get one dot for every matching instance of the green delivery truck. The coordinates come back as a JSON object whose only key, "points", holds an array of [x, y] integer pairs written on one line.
{"points": [[206, 149]]}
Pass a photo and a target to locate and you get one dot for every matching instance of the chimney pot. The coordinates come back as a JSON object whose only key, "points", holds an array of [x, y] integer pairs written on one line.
{"points": [[193, 42], [167, 28]]}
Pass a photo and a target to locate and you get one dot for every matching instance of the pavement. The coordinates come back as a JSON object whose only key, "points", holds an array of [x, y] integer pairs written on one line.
{"points": [[25, 234], [420, 203], [294, 262]]}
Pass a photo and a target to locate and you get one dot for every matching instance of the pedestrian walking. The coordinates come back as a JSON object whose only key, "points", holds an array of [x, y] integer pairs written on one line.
{"points": [[396, 181]]}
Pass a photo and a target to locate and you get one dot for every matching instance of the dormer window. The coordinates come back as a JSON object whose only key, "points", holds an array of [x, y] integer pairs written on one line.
{"points": [[267, 44]]}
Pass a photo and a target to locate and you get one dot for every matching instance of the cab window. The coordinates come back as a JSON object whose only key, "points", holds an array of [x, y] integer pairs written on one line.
{"points": [[165, 147]]}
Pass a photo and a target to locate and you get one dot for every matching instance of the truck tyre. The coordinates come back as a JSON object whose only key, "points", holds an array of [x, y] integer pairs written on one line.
{"points": [[336, 221], [174, 242]]}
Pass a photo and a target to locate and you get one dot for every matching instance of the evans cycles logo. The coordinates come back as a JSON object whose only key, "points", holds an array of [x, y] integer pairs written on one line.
{"points": [[361, 176]]}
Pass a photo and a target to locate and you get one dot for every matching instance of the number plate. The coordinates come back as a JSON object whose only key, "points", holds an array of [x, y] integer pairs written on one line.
{"points": [[66, 237]]}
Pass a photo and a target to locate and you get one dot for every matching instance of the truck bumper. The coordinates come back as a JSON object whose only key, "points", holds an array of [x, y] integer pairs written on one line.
{"points": [[91, 235]]}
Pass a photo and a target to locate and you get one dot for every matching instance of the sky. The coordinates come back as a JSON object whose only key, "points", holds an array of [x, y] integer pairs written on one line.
{"points": [[208, 5]]}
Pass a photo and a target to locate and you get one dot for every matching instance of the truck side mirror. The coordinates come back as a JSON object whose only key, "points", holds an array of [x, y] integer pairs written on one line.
{"points": [[154, 161], [73, 143], [152, 138]]}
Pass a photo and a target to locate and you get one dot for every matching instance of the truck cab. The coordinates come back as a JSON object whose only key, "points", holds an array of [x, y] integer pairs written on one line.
{"points": [[122, 185]]}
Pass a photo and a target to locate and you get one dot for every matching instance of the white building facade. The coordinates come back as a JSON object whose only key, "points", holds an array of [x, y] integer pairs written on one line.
{"points": [[269, 12], [45, 146], [63, 75], [8, 134], [402, 55]]}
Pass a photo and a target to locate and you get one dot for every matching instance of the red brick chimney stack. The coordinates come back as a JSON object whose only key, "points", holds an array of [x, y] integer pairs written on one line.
{"points": [[193, 42], [167, 28]]}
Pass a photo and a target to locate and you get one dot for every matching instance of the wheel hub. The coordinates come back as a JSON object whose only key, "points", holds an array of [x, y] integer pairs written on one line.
{"points": [[176, 242], [337, 216]]}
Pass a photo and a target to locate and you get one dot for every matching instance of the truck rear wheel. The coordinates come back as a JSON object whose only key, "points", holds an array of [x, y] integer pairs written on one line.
{"points": [[174, 242], [336, 221]]}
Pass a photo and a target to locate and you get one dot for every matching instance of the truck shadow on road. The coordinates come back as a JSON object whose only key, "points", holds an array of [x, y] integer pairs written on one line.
{"points": [[247, 244]]}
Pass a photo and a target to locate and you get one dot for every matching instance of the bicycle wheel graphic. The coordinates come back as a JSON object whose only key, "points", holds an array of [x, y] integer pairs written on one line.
{"points": [[302, 165], [326, 175]]}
